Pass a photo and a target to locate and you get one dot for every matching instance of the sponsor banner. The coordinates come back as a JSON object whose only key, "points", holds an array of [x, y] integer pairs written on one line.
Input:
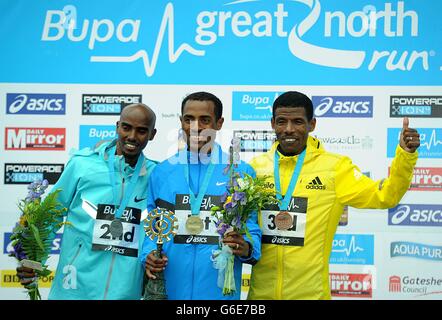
{"points": [[25, 173], [7, 246], [107, 104], [426, 179], [415, 285], [35, 103], [313, 42], [91, 134], [351, 285], [415, 250], [343, 106], [422, 215], [352, 249], [253, 105], [31, 139], [255, 140], [431, 142], [9, 279], [416, 106], [344, 143]]}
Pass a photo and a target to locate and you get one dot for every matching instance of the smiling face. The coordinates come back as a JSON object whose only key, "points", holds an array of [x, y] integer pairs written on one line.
{"points": [[135, 128], [199, 123], [292, 127]]}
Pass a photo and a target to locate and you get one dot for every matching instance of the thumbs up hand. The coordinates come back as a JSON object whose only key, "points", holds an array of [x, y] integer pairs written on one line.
{"points": [[409, 140]]}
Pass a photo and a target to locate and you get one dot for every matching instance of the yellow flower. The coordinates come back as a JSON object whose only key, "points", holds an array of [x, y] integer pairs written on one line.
{"points": [[23, 221], [228, 200]]}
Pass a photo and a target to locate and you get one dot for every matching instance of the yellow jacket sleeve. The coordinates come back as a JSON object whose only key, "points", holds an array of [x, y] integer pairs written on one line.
{"points": [[356, 190]]}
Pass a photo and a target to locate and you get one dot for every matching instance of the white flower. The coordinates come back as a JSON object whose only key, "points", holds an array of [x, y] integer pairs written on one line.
{"points": [[243, 184]]}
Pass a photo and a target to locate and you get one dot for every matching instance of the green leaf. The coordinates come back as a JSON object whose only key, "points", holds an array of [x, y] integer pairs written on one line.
{"points": [[37, 238]]}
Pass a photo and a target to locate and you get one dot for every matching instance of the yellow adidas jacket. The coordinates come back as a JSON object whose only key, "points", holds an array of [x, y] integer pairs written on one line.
{"points": [[329, 182]]}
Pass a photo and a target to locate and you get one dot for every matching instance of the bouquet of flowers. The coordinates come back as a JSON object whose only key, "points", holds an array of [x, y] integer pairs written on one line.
{"points": [[31, 237], [244, 196]]}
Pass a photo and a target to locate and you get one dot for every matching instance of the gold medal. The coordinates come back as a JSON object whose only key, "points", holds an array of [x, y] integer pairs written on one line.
{"points": [[194, 225], [283, 220]]}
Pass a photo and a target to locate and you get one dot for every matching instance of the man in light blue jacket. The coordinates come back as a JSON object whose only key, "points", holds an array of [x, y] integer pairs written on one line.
{"points": [[100, 245], [198, 169]]}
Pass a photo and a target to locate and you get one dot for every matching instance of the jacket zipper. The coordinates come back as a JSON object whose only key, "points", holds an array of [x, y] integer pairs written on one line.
{"points": [[194, 246], [76, 254], [73, 259], [111, 267], [279, 257], [279, 272]]}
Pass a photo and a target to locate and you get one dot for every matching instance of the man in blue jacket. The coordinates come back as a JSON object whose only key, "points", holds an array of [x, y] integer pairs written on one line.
{"points": [[100, 245], [198, 169]]}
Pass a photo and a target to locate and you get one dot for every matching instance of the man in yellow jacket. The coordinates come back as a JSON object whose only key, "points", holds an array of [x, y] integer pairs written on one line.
{"points": [[314, 185]]}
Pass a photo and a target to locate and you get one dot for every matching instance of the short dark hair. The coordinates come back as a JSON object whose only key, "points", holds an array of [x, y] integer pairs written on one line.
{"points": [[294, 99], [205, 96]]}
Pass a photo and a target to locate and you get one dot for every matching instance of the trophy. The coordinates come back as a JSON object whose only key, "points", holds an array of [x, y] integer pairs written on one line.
{"points": [[160, 224]]}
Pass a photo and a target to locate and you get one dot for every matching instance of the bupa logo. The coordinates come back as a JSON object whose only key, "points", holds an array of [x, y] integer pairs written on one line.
{"points": [[430, 138], [352, 249], [90, 135], [343, 107], [423, 215], [253, 105], [8, 248], [35, 139], [239, 21], [415, 250], [35, 103]]}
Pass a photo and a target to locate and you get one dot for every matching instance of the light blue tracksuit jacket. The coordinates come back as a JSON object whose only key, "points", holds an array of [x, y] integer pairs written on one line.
{"points": [[83, 273]]}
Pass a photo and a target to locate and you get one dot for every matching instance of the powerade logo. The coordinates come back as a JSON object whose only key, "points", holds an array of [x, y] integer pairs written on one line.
{"points": [[90, 135], [33, 103], [343, 107], [352, 249], [416, 106], [8, 248], [253, 105], [255, 141], [422, 215], [24, 173], [107, 104], [431, 142], [415, 250], [35, 139]]}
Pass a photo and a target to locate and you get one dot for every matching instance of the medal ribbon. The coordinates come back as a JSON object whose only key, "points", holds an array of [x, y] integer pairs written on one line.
{"points": [[195, 202], [132, 183], [288, 194]]}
